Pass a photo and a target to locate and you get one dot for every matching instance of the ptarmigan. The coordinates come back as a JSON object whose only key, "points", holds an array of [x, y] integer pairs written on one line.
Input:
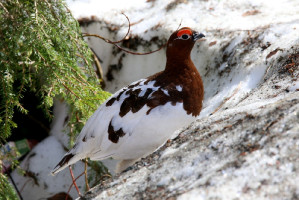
{"points": [[139, 118]]}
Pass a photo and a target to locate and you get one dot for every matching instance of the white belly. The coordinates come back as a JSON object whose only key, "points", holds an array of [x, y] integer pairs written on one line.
{"points": [[145, 133]]}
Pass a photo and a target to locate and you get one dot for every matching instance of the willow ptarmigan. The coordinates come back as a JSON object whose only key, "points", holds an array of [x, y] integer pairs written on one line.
{"points": [[139, 118]]}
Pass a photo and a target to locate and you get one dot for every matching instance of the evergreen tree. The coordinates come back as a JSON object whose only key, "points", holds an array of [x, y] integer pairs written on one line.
{"points": [[42, 50]]}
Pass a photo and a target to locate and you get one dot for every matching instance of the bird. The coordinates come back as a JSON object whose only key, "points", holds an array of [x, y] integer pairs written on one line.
{"points": [[141, 117]]}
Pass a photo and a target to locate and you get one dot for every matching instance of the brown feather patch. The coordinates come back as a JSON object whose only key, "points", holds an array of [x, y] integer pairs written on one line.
{"points": [[113, 135], [65, 160], [191, 95]]}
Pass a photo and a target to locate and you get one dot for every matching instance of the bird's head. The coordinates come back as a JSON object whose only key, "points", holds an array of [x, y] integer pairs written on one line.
{"points": [[181, 42]]}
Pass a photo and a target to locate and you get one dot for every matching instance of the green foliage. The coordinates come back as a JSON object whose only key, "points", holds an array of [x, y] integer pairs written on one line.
{"points": [[41, 48], [6, 190]]}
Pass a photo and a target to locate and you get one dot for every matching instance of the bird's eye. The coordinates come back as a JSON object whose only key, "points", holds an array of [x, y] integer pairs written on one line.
{"points": [[184, 34], [185, 37]]}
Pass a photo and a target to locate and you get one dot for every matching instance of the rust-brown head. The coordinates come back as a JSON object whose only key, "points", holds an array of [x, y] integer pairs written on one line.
{"points": [[181, 42]]}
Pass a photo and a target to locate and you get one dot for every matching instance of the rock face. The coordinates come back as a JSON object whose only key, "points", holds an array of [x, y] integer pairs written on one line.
{"points": [[247, 149], [246, 154], [245, 144]]}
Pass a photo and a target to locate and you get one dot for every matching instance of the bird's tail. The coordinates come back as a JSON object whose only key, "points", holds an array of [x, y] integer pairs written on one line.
{"points": [[68, 159]]}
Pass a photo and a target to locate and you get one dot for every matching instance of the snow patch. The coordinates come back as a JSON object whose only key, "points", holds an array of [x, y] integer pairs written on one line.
{"points": [[40, 161], [179, 88], [294, 87], [168, 152]]}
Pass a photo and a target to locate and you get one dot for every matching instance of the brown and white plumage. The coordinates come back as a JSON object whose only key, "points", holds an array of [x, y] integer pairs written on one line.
{"points": [[139, 118]]}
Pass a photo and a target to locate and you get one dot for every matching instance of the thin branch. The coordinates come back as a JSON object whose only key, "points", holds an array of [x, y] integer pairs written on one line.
{"points": [[115, 42], [266, 73], [86, 62], [68, 192], [99, 71], [134, 23], [36, 12], [180, 24], [127, 31], [127, 51], [78, 74], [136, 53], [5, 9], [50, 90], [83, 83], [98, 36], [107, 40], [66, 87], [85, 172], [22, 188], [23, 82]]}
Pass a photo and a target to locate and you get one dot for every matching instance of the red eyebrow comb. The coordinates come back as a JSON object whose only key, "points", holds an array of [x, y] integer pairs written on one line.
{"points": [[184, 31]]}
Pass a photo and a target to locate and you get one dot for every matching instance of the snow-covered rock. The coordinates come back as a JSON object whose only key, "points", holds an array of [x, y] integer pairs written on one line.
{"points": [[37, 182], [59, 127], [245, 143]]}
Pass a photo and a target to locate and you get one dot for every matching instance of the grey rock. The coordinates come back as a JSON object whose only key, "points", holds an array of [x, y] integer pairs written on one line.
{"points": [[246, 149]]}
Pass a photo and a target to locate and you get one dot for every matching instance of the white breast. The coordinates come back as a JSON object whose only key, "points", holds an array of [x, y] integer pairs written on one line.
{"points": [[148, 132]]}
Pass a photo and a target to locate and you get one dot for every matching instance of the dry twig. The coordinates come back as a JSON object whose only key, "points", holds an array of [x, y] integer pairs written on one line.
{"points": [[85, 172], [115, 42]]}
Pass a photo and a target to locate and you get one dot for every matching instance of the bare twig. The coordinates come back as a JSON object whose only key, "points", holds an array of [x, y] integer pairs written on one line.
{"points": [[68, 192], [99, 70], [115, 42], [266, 73], [127, 31], [5, 9], [136, 53], [50, 90], [83, 79], [85, 172], [74, 181], [14, 184], [22, 188], [180, 24], [23, 80], [107, 40], [36, 11], [134, 23]]}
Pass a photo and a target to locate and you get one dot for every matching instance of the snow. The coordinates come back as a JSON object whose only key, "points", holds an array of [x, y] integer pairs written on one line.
{"points": [[223, 66], [168, 152], [237, 63], [95, 7], [294, 87], [39, 163], [238, 78], [59, 123], [179, 88], [212, 15]]}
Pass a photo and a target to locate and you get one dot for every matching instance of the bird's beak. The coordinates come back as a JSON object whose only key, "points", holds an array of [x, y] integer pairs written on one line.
{"points": [[197, 36]]}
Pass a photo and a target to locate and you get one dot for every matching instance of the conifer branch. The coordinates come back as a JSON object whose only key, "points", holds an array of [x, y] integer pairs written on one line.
{"points": [[66, 87], [40, 42]]}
